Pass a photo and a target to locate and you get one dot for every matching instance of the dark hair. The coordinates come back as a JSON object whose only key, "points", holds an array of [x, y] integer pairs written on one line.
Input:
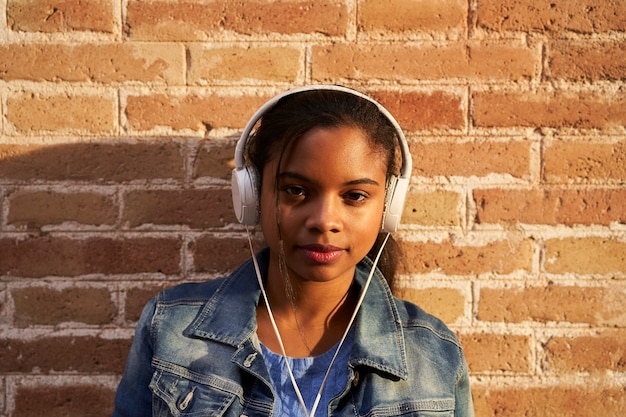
{"points": [[297, 114]]}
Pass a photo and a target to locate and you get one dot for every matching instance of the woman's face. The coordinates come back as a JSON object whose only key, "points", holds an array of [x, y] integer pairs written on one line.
{"points": [[328, 203]]}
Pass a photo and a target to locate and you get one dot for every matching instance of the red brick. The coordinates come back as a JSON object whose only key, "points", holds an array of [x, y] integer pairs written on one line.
{"points": [[96, 162], [189, 20], [586, 16], [190, 112], [589, 61], [63, 256], [213, 254], [35, 209], [438, 208], [61, 15], [569, 400], [195, 208], [448, 304], [49, 355], [448, 16], [423, 111], [602, 306], [468, 159], [555, 110], [209, 65], [552, 207], [106, 63], [215, 159], [590, 255], [68, 112], [489, 352], [52, 306], [605, 351], [584, 161], [486, 60], [64, 401], [498, 257]]}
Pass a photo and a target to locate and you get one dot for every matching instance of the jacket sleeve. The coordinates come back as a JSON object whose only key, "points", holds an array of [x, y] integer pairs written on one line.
{"points": [[464, 405], [133, 397]]}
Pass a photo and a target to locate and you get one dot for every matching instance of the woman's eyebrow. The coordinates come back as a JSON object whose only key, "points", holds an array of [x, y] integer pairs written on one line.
{"points": [[304, 178]]}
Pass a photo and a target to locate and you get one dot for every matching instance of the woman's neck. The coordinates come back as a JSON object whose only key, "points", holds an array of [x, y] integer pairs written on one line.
{"points": [[311, 319]]}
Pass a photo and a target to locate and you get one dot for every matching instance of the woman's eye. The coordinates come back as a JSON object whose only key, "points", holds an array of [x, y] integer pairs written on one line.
{"points": [[356, 196], [294, 191]]}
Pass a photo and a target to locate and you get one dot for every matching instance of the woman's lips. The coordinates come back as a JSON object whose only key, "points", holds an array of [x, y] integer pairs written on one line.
{"points": [[321, 254]]}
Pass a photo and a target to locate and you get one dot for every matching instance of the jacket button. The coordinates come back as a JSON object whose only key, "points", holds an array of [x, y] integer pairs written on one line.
{"points": [[248, 361]]}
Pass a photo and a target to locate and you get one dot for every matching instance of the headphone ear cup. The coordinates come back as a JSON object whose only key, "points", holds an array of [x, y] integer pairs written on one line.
{"points": [[398, 188], [245, 185]]}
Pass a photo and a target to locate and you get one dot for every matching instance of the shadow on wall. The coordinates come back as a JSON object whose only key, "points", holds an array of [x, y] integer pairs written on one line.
{"points": [[121, 199], [88, 233]]}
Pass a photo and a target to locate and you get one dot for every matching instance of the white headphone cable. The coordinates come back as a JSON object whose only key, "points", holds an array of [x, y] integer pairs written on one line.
{"points": [[343, 338], [274, 326]]}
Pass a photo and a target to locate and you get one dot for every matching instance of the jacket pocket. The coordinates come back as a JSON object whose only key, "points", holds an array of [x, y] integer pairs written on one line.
{"points": [[179, 392], [416, 408]]}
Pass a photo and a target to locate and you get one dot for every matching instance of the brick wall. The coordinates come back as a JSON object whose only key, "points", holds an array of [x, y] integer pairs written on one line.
{"points": [[116, 138]]}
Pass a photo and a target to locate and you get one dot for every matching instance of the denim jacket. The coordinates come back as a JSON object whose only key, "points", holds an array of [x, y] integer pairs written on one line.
{"points": [[196, 354]]}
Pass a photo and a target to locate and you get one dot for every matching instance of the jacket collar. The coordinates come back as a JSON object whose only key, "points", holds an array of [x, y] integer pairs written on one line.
{"points": [[229, 317]]}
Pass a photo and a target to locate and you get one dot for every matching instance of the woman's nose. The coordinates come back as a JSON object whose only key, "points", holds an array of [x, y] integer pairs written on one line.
{"points": [[325, 215]]}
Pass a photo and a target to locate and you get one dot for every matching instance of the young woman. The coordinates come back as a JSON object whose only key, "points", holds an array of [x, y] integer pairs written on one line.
{"points": [[308, 326]]}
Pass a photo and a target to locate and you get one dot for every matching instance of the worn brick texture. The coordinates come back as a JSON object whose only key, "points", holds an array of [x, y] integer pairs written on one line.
{"points": [[117, 126]]}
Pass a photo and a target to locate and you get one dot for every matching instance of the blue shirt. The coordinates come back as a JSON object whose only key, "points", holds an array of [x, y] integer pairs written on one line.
{"points": [[196, 353], [309, 374]]}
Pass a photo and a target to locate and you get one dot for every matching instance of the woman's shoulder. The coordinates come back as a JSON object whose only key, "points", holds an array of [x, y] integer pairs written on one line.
{"points": [[201, 291], [190, 292], [415, 318]]}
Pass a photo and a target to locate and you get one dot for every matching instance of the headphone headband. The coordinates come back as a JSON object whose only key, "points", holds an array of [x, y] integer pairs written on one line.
{"points": [[244, 179], [405, 169]]}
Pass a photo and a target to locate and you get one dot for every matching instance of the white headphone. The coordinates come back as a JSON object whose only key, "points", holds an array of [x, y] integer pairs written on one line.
{"points": [[245, 179]]}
